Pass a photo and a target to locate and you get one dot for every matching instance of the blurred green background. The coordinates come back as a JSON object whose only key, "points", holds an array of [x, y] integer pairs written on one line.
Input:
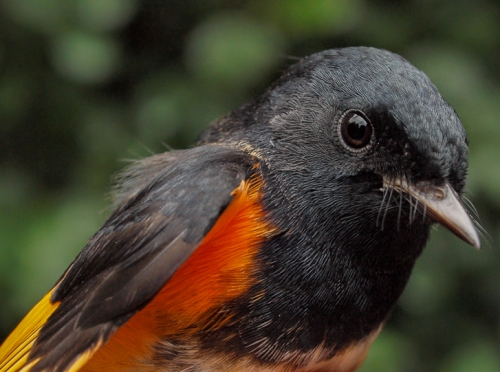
{"points": [[87, 84]]}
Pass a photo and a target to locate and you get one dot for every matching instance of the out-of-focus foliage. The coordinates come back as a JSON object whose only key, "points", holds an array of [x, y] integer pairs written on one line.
{"points": [[85, 84]]}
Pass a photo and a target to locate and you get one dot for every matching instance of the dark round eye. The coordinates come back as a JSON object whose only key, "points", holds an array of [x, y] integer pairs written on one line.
{"points": [[356, 130]]}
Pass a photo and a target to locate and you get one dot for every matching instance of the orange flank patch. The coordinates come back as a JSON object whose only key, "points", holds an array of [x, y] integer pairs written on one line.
{"points": [[220, 270], [14, 351]]}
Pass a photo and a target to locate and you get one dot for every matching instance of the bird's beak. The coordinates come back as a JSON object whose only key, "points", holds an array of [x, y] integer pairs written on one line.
{"points": [[442, 205]]}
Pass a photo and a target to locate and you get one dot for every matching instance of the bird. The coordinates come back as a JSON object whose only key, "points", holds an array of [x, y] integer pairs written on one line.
{"points": [[279, 242]]}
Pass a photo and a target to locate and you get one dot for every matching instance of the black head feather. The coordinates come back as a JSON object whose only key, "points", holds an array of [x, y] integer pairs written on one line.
{"points": [[417, 133]]}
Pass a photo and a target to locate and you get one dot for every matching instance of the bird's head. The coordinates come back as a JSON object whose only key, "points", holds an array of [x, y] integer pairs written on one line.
{"points": [[363, 128]]}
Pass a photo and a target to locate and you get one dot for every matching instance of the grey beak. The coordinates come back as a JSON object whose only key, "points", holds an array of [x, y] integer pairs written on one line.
{"points": [[441, 204]]}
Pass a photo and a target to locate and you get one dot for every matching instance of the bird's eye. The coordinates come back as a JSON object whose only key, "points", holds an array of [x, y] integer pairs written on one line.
{"points": [[355, 130]]}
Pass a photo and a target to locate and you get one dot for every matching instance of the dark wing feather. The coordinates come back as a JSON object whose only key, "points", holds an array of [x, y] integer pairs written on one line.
{"points": [[137, 250]]}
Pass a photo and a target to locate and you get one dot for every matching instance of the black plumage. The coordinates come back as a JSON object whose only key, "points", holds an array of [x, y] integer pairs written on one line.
{"points": [[358, 155]]}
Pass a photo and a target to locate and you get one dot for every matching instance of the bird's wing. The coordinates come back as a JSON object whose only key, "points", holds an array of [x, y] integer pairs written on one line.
{"points": [[128, 261]]}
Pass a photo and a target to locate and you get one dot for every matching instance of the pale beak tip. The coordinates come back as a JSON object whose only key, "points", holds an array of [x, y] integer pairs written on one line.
{"points": [[475, 241]]}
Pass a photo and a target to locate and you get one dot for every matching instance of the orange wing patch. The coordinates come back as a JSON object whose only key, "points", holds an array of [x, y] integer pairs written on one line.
{"points": [[14, 351], [221, 267], [219, 270]]}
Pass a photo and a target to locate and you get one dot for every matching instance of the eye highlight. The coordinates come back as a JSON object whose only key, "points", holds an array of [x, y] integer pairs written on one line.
{"points": [[355, 131]]}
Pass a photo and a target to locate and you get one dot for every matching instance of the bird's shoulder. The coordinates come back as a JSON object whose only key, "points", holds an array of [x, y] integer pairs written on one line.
{"points": [[168, 204]]}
